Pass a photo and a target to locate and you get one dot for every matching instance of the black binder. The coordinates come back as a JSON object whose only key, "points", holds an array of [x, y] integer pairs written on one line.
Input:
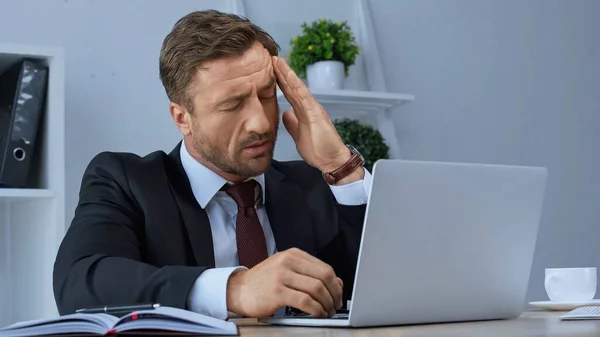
{"points": [[22, 99]]}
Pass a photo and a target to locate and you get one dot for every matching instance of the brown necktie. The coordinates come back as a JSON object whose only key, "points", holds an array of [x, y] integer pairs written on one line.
{"points": [[251, 244]]}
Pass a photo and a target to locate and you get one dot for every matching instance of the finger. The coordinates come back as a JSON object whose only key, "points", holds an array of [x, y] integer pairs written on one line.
{"points": [[304, 105], [313, 287], [280, 77], [304, 302], [341, 302], [300, 92], [324, 272], [308, 265], [283, 84], [291, 124]]}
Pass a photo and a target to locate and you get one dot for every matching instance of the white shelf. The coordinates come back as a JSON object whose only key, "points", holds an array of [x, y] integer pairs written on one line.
{"points": [[354, 100], [8, 194], [32, 219], [10, 53]]}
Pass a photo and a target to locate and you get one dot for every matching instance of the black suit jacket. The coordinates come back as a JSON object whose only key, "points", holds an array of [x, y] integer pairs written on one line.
{"points": [[138, 234]]}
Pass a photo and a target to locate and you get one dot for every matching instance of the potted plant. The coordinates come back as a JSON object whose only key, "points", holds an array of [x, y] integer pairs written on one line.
{"points": [[365, 138], [323, 53]]}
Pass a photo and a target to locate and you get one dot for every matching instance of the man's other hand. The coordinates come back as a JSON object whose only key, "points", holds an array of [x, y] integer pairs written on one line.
{"points": [[291, 278]]}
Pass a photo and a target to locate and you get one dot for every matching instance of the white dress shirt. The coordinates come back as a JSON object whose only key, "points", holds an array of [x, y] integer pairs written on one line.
{"points": [[208, 294]]}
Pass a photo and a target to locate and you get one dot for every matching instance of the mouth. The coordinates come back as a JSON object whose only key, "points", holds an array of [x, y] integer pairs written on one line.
{"points": [[257, 144], [258, 147]]}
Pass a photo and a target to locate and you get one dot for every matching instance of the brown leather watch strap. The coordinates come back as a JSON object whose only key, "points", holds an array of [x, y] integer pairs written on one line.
{"points": [[352, 164]]}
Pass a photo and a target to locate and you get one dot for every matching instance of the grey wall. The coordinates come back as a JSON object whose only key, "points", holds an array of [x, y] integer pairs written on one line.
{"points": [[510, 82]]}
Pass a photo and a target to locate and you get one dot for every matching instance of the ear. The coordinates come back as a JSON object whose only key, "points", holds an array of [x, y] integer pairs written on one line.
{"points": [[181, 117]]}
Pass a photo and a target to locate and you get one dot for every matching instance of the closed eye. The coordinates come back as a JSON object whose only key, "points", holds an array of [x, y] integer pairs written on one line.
{"points": [[232, 108]]}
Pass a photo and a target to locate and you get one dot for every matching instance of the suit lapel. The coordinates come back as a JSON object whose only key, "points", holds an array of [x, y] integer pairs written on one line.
{"points": [[288, 213], [194, 217]]}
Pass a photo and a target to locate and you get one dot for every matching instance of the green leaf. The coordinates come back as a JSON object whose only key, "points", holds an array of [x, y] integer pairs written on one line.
{"points": [[328, 40]]}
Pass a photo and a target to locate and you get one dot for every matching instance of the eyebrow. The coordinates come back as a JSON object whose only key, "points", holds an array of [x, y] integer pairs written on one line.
{"points": [[237, 97]]}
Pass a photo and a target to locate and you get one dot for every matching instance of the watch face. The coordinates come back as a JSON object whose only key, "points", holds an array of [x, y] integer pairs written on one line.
{"points": [[354, 150]]}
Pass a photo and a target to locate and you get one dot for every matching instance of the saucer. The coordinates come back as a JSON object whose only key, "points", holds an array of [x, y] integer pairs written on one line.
{"points": [[564, 306]]}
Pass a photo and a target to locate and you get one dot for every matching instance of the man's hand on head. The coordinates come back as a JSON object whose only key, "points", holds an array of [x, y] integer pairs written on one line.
{"points": [[290, 278], [316, 138]]}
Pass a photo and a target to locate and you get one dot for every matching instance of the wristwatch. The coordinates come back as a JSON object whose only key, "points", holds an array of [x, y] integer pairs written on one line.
{"points": [[356, 160]]}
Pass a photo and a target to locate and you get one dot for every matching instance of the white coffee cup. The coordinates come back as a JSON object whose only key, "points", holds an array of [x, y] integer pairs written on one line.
{"points": [[571, 284]]}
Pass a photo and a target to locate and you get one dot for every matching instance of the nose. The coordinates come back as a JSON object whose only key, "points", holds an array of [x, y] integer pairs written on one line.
{"points": [[256, 119]]}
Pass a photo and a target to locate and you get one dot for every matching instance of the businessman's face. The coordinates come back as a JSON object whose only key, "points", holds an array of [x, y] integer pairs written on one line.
{"points": [[233, 127]]}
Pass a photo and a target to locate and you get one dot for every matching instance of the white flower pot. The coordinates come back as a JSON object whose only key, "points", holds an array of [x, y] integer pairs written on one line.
{"points": [[326, 75]]}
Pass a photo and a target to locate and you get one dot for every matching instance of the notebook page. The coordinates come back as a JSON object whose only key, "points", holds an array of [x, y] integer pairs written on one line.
{"points": [[80, 323], [175, 325], [177, 314], [77, 328]]}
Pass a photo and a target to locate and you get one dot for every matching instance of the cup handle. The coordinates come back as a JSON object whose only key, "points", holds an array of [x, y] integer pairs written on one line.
{"points": [[549, 284]]}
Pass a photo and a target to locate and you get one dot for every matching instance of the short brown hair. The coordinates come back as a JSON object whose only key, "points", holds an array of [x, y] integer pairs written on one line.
{"points": [[202, 36]]}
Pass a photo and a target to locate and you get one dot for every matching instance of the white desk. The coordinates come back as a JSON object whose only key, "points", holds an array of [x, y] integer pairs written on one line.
{"points": [[530, 324]]}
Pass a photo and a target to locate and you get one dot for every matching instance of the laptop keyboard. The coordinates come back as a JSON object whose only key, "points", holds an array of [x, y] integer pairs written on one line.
{"points": [[336, 316], [294, 313]]}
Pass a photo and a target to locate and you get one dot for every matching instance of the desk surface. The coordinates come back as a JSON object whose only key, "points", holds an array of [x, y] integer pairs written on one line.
{"points": [[532, 323]]}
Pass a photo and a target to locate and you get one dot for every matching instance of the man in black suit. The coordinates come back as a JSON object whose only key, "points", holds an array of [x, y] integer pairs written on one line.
{"points": [[217, 226]]}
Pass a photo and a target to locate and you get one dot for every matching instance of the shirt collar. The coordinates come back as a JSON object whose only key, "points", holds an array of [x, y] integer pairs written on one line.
{"points": [[205, 183]]}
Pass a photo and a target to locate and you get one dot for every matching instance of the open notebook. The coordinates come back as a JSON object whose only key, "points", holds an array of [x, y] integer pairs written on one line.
{"points": [[162, 320]]}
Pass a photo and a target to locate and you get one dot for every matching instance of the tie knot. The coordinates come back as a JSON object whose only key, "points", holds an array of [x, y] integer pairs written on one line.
{"points": [[243, 193]]}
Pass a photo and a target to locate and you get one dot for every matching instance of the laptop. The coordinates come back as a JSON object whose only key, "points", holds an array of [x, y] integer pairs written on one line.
{"points": [[442, 242]]}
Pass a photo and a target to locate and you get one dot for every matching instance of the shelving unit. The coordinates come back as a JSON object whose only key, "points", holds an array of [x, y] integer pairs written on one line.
{"points": [[353, 101], [32, 220], [370, 103]]}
